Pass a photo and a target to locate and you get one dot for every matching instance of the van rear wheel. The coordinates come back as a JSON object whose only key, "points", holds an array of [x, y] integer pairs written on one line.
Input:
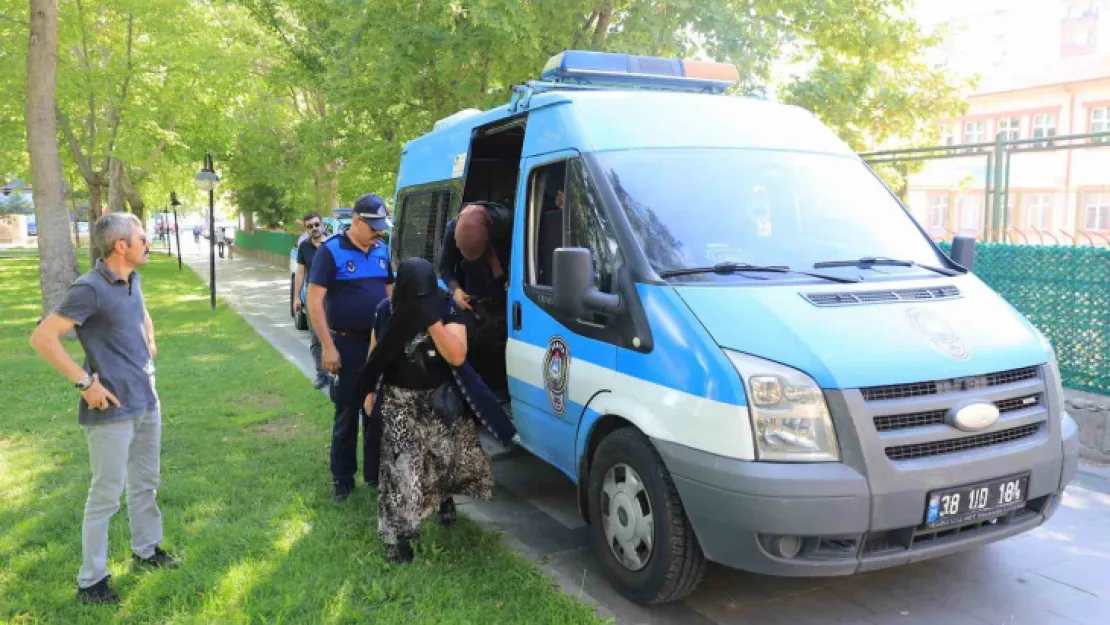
{"points": [[639, 526]]}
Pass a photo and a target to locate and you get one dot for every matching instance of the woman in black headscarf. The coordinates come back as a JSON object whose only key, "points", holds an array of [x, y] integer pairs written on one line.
{"points": [[430, 402]]}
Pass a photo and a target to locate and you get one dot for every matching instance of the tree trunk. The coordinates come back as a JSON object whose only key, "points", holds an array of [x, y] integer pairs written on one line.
{"points": [[332, 187], [319, 200], [115, 186], [96, 192], [248, 221], [605, 14], [134, 200], [57, 257]]}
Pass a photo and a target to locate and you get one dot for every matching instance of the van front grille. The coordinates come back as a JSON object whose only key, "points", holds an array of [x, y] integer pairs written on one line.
{"points": [[937, 448], [887, 423], [921, 389], [912, 420]]}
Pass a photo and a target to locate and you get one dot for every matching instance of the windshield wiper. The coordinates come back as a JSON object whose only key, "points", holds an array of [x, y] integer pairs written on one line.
{"points": [[870, 261], [725, 269]]}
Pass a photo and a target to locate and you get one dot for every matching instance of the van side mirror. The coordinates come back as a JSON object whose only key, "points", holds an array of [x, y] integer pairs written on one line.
{"points": [[573, 284], [963, 251]]}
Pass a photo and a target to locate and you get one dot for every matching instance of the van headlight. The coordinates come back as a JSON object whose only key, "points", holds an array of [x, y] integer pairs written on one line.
{"points": [[789, 415]]}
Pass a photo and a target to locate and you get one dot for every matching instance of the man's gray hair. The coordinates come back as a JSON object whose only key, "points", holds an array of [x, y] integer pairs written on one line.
{"points": [[112, 227]]}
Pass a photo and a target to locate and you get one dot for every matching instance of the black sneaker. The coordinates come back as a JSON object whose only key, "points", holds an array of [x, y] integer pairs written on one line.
{"points": [[160, 560], [447, 512], [342, 492], [322, 380], [401, 553], [97, 594]]}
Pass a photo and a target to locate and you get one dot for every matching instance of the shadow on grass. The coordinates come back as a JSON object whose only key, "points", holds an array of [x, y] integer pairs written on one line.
{"points": [[245, 495]]}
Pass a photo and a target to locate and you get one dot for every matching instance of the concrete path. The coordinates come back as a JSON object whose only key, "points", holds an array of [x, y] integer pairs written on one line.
{"points": [[1057, 574]]}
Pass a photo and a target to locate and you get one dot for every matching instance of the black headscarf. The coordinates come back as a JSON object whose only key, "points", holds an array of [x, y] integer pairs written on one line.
{"points": [[417, 303]]}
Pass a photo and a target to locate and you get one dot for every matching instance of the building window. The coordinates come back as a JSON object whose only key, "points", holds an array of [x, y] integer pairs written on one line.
{"points": [[1009, 128], [938, 212], [1096, 212], [1039, 210], [1100, 122], [973, 132], [970, 217], [1044, 125]]}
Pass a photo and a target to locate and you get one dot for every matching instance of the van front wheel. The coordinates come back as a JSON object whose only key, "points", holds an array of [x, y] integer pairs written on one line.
{"points": [[639, 526]]}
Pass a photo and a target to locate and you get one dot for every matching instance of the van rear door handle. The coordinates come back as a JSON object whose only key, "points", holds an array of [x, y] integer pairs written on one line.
{"points": [[516, 316]]}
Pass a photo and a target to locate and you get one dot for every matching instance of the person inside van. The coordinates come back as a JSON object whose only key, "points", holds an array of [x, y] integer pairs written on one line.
{"points": [[417, 384], [474, 265], [475, 259]]}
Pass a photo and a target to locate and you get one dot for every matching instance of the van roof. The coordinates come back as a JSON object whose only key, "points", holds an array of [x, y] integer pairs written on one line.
{"points": [[624, 119]]}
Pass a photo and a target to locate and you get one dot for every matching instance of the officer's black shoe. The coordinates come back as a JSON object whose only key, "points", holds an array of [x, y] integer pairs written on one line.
{"points": [[447, 512], [401, 553], [98, 593], [342, 492], [160, 560]]}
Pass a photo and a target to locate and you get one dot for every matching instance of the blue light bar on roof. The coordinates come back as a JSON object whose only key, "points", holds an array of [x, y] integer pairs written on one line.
{"points": [[604, 68]]}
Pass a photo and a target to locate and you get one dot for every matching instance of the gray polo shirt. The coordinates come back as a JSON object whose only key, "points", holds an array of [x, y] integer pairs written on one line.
{"points": [[110, 313]]}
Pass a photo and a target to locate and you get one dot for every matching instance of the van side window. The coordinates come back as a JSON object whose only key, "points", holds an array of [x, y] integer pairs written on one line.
{"points": [[547, 199], [589, 226], [421, 225]]}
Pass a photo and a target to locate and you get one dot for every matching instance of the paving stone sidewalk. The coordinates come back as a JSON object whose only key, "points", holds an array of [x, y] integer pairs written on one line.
{"points": [[1057, 574]]}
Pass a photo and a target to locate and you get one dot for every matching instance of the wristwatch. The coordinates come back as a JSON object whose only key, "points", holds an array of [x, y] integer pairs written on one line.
{"points": [[84, 383]]}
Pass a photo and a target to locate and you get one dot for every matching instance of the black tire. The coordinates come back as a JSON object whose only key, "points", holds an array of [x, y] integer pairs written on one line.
{"points": [[676, 564], [292, 294], [301, 320]]}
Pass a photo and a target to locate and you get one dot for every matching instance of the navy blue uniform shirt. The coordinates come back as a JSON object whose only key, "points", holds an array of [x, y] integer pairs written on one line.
{"points": [[355, 281], [306, 253], [474, 277]]}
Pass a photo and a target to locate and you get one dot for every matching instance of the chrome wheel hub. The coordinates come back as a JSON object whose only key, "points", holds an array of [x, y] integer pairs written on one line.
{"points": [[627, 517]]}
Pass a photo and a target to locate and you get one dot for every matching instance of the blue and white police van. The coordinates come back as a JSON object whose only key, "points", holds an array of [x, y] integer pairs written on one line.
{"points": [[733, 338]]}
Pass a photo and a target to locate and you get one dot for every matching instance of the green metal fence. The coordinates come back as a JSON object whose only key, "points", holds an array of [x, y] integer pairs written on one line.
{"points": [[998, 156], [1065, 292], [266, 241]]}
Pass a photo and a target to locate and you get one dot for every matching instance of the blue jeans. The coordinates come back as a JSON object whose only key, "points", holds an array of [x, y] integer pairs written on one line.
{"points": [[348, 408]]}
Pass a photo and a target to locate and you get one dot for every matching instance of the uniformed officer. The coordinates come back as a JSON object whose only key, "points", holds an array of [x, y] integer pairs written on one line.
{"points": [[350, 275]]}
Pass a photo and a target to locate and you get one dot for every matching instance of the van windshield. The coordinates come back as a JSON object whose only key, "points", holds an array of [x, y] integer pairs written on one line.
{"points": [[702, 207]]}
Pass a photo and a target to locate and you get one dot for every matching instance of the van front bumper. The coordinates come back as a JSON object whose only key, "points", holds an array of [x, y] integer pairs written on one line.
{"points": [[740, 509]]}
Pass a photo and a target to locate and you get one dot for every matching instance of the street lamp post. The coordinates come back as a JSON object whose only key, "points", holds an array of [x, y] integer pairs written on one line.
{"points": [[176, 231], [207, 180]]}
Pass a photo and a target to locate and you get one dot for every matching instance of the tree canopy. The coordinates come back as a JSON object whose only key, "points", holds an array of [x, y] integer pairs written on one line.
{"points": [[306, 105]]}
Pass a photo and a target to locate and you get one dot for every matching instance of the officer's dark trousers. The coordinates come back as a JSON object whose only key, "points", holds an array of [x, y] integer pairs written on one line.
{"points": [[344, 437]]}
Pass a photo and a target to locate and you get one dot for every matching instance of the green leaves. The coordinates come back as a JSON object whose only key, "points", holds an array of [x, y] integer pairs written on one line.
{"points": [[316, 99]]}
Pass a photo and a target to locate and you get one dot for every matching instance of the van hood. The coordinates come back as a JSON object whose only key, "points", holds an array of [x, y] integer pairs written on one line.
{"points": [[870, 344]]}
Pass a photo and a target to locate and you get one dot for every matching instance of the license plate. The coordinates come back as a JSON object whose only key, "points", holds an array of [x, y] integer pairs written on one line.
{"points": [[976, 502]]}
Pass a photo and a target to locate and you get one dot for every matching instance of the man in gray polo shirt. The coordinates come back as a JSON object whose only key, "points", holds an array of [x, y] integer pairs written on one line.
{"points": [[119, 407]]}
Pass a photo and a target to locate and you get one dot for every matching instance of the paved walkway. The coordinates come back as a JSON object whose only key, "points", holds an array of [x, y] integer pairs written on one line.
{"points": [[1057, 574]]}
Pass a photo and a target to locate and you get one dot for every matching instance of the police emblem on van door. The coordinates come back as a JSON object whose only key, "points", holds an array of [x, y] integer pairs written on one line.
{"points": [[556, 371], [939, 332], [350, 266]]}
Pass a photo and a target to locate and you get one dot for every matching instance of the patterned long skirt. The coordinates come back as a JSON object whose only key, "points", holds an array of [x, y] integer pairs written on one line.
{"points": [[424, 462]]}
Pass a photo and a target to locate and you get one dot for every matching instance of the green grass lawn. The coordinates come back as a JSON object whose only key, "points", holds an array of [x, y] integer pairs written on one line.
{"points": [[245, 493]]}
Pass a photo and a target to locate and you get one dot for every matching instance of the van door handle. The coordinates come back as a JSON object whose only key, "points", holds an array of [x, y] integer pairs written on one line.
{"points": [[516, 316]]}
